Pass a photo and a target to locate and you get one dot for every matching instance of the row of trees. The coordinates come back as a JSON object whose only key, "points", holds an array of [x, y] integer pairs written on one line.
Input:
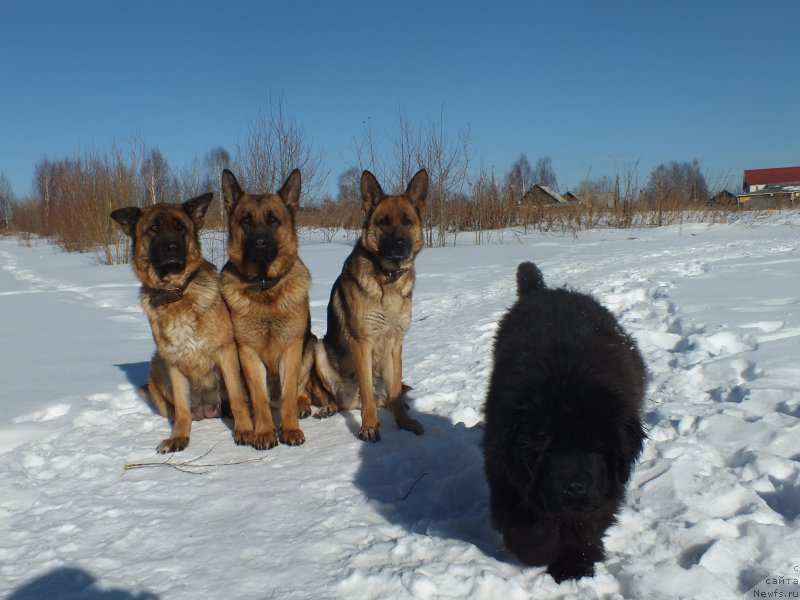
{"points": [[72, 197]]}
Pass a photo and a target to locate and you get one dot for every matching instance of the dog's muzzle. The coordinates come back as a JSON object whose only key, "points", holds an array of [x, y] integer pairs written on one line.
{"points": [[260, 248], [575, 494], [168, 254], [396, 248]]}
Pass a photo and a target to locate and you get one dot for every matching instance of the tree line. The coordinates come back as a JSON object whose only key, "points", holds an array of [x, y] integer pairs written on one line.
{"points": [[72, 197]]}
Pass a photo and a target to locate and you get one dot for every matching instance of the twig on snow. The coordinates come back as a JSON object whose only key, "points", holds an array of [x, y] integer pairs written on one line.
{"points": [[190, 465], [413, 485]]}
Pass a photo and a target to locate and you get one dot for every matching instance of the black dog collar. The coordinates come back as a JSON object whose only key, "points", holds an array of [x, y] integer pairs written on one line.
{"points": [[393, 276], [165, 297], [263, 284], [161, 296]]}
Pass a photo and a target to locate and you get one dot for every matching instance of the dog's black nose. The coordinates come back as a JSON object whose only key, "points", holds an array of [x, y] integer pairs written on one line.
{"points": [[261, 248], [575, 490], [396, 248], [172, 247]]}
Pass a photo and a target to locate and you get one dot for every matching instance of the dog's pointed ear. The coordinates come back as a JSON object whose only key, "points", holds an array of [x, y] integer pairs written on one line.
{"points": [[290, 192], [127, 218], [417, 189], [196, 208], [371, 192], [231, 191]]}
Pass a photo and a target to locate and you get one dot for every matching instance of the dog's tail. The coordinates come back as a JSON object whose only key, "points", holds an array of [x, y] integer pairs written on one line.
{"points": [[529, 278], [320, 384]]}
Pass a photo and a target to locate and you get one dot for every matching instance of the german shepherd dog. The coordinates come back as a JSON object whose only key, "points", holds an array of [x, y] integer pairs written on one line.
{"points": [[265, 285], [370, 309], [191, 326]]}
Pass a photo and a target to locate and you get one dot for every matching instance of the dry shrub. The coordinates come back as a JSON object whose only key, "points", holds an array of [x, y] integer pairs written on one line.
{"points": [[328, 217], [74, 197]]}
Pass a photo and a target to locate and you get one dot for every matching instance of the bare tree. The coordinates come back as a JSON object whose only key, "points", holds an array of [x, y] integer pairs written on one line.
{"points": [[599, 185], [6, 200], [190, 180], [543, 173], [520, 177], [487, 198], [155, 176], [276, 145], [42, 178], [366, 151], [410, 145], [447, 159], [215, 161], [676, 182], [445, 156], [73, 198], [349, 185]]}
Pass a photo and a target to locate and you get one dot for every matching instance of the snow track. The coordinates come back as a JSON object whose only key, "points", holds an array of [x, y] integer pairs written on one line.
{"points": [[713, 505]]}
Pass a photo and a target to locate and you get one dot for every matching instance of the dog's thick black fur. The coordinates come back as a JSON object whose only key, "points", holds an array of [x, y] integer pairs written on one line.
{"points": [[563, 425]]}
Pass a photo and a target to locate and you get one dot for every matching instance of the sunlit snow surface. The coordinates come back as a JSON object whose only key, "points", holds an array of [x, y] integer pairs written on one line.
{"points": [[712, 507]]}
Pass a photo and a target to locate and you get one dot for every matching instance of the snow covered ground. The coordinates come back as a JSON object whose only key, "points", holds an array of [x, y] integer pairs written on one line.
{"points": [[712, 508]]}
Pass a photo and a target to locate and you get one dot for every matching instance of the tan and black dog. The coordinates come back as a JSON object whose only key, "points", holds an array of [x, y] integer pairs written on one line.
{"points": [[265, 285], [370, 309], [191, 325]]}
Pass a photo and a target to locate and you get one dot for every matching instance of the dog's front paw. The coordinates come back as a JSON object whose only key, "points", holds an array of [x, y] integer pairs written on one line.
{"points": [[243, 437], [292, 437], [172, 444], [369, 434], [563, 569], [211, 410], [326, 411], [265, 440]]}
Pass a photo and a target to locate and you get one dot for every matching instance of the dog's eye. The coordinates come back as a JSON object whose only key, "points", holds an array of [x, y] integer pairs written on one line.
{"points": [[246, 219], [272, 219], [384, 222], [180, 227], [406, 220], [154, 228]]}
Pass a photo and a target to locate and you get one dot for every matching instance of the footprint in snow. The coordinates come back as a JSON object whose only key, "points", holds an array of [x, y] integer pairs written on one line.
{"points": [[50, 413]]}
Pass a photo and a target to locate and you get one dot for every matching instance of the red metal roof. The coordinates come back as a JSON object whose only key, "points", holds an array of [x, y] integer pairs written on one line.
{"points": [[767, 176]]}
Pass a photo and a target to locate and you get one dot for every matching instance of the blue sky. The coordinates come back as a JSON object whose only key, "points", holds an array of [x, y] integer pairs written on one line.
{"points": [[596, 85]]}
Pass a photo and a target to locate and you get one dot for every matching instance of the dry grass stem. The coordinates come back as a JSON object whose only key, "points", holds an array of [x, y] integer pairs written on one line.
{"points": [[190, 466]]}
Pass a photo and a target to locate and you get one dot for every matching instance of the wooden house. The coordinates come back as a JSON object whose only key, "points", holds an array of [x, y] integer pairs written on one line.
{"points": [[723, 198], [543, 195]]}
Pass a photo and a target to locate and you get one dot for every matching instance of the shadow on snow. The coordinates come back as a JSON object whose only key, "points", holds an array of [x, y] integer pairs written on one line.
{"points": [[136, 373], [71, 583], [433, 484]]}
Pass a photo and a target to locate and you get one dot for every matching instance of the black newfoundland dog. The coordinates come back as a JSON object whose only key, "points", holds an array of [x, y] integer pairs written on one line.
{"points": [[563, 425]]}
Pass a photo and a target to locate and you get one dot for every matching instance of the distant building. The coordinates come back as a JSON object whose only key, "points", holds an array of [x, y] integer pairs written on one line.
{"points": [[596, 199], [606, 199], [756, 180], [544, 195], [770, 187], [723, 198]]}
